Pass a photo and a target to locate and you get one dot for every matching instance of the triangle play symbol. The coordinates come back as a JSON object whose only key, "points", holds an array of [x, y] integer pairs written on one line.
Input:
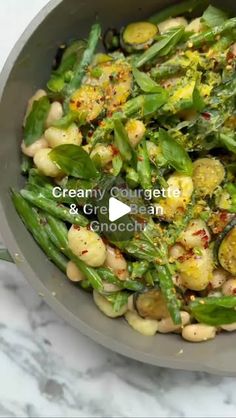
{"points": [[117, 209]]}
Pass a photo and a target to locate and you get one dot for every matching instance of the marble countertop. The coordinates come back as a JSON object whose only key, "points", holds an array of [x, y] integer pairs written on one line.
{"points": [[48, 369]]}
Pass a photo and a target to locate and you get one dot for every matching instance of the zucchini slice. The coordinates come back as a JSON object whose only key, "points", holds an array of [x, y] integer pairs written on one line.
{"points": [[88, 102], [151, 304], [115, 80], [138, 36], [227, 248]]}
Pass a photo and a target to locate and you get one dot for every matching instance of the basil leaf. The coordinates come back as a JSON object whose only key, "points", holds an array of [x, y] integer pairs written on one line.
{"points": [[152, 102], [214, 16], [70, 58], [74, 161], [66, 120], [162, 47], [122, 140], [146, 83], [174, 153], [214, 310], [35, 122]]}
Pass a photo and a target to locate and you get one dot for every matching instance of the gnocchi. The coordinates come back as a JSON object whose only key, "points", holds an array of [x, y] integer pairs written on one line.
{"points": [[196, 270], [145, 326], [106, 307], [87, 245], [45, 165], [56, 136]]}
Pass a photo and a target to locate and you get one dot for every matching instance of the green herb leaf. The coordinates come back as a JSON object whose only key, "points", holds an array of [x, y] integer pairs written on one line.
{"points": [[35, 122], [162, 47], [118, 299], [214, 310], [66, 120], [174, 153], [228, 141], [214, 16], [146, 83], [122, 140], [56, 83], [153, 102], [74, 161], [117, 164], [143, 166]]}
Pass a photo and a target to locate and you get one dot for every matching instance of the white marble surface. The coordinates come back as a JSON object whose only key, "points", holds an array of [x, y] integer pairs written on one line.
{"points": [[47, 369]]}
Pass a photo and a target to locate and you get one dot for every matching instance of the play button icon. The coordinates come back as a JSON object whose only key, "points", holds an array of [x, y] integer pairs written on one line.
{"points": [[117, 209]]}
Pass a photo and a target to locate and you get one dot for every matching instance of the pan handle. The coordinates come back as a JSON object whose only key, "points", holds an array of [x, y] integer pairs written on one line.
{"points": [[5, 255]]}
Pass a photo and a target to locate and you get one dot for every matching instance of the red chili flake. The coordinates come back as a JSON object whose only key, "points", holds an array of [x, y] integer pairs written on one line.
{"points": [[84, 252], [206, 115], [204, 237], [76, 227], [115, 150]]}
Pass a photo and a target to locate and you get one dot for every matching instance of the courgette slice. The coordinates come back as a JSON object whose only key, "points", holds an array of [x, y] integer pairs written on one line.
{"points": [[115, 81], [88, 102], [138, 36], [226, 248], [151, 304]]}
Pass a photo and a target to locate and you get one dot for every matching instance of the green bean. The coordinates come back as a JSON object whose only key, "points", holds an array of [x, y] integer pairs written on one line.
{"points": [[143, 166], [138, 269], [50, 206], [163, 47], [122, 140], [80, 70], [177, 10], [210, 35], [168, 290], [60, 231], [166, 71], [31, 220], [110, 277], [26, 164]]}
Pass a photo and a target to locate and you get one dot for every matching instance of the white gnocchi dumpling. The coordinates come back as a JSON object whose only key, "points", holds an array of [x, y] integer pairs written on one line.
{"points": [[31, 150], [116, 262], [56, 136], [196, 270], [73, 273], [45, 165], [87, 245], [196, 235], [106, 307], [104, 152], [145, 326], [180, 190], [38, 95], [195, 25], [55, 113], [172, 23], [135, 130]]}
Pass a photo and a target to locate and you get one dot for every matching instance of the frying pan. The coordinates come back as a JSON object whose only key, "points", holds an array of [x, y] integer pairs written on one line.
{"points": [[28, 68]]}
